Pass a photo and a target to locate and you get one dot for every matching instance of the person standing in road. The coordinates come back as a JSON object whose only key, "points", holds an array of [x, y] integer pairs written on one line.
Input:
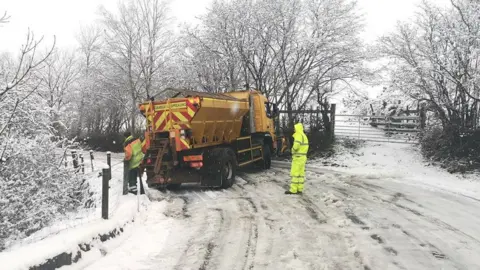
{"points": [[133, 153], [299, 159]]}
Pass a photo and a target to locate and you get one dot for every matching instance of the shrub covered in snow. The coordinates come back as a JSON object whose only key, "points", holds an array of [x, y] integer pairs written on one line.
{"points": [[352, 144], [455, 154], [35, 188]]}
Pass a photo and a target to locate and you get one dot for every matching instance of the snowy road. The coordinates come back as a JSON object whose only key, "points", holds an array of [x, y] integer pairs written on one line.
{"points": [[343, 221]]}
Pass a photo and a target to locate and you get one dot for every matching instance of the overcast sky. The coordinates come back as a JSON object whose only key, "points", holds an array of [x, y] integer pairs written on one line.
{"points": [[64, 17]]}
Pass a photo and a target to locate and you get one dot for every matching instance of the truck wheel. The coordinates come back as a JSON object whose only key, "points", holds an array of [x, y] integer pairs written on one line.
{"points": [[227, 168]]}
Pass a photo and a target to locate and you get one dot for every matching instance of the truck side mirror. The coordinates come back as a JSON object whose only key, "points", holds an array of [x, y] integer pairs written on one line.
{"points": [[268, 110], [271, 109], [275, 110]]}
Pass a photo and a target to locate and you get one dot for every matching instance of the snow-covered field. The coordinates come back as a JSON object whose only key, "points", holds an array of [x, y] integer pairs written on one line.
{"points": [[381, 209]]}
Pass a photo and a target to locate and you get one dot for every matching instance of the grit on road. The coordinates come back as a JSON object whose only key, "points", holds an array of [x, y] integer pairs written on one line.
{"points": [[344, 220]]}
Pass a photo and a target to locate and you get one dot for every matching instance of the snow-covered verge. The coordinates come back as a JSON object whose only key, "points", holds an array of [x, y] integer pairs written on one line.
{"points": [[70, 237], [90, 207], [144, 236], [402, 162], [70, 245], [36, 190]]}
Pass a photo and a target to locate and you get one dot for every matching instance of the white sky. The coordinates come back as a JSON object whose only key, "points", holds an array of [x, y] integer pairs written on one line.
{"points": [[64, 17]]}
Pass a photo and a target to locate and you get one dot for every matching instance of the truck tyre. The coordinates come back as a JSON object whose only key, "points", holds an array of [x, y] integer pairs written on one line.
{"points": [[267, 157], [227, 168]]}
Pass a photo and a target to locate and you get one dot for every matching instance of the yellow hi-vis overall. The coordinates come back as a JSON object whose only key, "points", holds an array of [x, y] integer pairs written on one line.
{"points": [[299, 159]]}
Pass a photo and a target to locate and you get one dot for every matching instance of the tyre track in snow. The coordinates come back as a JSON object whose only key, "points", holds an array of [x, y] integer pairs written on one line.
{"points": [[367, 196], [314, 243], [342, 221], [228, 233], [332, 216], [363, 195], [199, 247], [394, 200]]}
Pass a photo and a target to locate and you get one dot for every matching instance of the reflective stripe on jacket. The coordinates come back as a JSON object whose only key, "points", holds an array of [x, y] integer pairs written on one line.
{"points": [[300, 142], [133, 152]]}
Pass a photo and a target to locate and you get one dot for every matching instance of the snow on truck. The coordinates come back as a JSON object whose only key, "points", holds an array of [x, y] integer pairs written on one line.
{"points": [[198, 137]]}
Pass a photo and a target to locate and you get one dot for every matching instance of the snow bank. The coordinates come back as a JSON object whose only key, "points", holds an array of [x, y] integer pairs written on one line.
{"points": [[147, 237], [72, 237], [72, 240], [92, 210]]}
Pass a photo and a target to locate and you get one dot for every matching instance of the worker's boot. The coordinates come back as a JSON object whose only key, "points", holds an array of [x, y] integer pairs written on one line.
{"points": [[289, 192]]}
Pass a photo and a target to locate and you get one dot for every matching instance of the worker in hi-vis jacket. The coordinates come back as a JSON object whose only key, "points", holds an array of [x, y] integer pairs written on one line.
{"points": [[299, 159], [133, 153]]}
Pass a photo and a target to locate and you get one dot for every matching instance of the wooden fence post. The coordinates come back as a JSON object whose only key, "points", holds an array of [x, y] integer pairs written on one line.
{"points": [[75, 159], [333, 108], [109, 161], [423, 116], [82, 163], [105, 178], [125, 177], [91, 159]]}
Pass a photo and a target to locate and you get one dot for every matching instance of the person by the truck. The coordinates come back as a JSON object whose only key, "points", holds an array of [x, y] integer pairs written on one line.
{"points": [[133, 153], [299, 159]]}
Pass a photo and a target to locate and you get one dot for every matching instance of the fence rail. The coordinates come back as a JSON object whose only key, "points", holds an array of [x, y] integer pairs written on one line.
{"points": [[376, 128], [391, 129]]}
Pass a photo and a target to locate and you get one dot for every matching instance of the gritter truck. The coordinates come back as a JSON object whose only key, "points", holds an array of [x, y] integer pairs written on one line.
{"points": [[198, 137]]}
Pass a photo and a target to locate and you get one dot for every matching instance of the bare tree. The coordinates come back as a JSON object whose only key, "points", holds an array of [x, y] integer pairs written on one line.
{"points": [[137, 46], [436, 60], [289, 50], [58, 77], [156, 42], [19, 80], [122, 36], [27, 64], [4, 18], [90, 43]]}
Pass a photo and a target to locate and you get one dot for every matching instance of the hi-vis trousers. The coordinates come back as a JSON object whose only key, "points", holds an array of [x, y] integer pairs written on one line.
{"points": [[298, 174]]}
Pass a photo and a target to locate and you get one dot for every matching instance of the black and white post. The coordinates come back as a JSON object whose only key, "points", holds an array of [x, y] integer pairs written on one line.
{"points": [[105, 178], [91, 159]]}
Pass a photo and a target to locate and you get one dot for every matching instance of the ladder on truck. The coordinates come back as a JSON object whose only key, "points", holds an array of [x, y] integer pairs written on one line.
{"points": [[248, 151], [156, 153]]}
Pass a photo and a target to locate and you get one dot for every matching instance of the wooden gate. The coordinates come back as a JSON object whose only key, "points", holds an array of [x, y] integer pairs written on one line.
{"points": [[383, 128], [390, 129]]}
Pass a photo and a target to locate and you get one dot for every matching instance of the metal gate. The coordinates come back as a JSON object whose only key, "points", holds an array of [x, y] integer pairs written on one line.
{"points": [[390, 129]]}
